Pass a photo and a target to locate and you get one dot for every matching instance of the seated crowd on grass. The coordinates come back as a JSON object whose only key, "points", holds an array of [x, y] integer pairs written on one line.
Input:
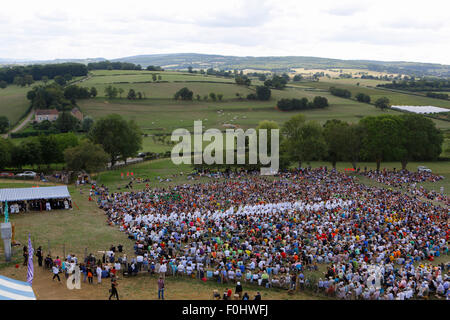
{"points": [[279, 232]]}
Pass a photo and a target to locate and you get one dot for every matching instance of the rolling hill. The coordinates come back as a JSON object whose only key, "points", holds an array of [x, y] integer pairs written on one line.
{"points": [[281, 63]]}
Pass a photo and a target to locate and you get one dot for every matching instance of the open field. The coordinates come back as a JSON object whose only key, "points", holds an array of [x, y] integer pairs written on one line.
{"points": [[335, 72], [397, 98], [14, 102]]}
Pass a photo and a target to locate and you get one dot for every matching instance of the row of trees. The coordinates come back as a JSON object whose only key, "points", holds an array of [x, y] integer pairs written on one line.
{"points": [[42, 150], [212, 95], [41, 72], [54, 96], [110, 139], [277, 82], [302, 104], [339, 92], [419, 85], [435, 95], [108, 65], [404, 138], [112, 93], [261, 93], [382, 102], [65, 123], [242, 80]]}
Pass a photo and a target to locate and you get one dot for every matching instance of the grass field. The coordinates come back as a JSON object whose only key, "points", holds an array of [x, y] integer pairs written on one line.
{"points": [[396, 98], [14, 102]]}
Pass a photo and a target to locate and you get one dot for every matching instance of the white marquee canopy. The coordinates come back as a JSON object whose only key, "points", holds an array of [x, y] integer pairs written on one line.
{"points": [[21, 194]]}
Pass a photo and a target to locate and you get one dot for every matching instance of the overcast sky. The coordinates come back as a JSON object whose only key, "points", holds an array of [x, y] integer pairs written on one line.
{"points": [[345, 29]]}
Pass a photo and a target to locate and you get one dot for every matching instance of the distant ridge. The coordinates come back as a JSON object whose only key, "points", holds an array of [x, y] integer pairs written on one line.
{"points": [[273, 63]]}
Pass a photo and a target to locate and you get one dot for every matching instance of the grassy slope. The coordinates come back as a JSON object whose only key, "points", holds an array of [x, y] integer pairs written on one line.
{"points": [[13, 102]]}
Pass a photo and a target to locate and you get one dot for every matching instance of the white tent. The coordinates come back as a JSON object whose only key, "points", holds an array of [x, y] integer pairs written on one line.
{"points": [[21, 194], [11, 289]]}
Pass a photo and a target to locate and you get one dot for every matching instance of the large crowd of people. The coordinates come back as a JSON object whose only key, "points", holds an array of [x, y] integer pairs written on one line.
{"points": [[270, 231], [398, 178]]}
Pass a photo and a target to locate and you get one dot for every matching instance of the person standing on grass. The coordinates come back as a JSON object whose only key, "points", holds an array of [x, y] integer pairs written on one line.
{"points": [[90, 276], [163, 270], [99, 275], [25, 255], [238, 289], [39, 256], [114, 285], [161, 288], [55, 271]]}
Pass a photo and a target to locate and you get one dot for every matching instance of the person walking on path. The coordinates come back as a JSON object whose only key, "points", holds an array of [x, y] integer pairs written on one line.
{"points": [[114, 292], [161, 288]]}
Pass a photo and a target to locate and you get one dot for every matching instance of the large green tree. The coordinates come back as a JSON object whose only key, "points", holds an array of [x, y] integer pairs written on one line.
{"points": [[67, 123], [87, 156], [354, 135], [335, 134], [5, 153], [382, 103], [111, 92], [421, 139], [263, 93], [383, 140], [49, 149], [119, 138], [4, 124], [303, 141]]}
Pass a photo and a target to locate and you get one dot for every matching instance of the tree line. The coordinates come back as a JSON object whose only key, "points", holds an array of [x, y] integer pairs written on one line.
{"points": [[302, 104], [116, 65], [403, 138], [108, 140], [112, 92], [261, 93], [419, 85], [382, 102], [35, 72], [55, 96]]}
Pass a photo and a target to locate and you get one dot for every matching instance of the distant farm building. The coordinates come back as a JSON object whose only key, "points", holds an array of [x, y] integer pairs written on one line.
{"points": [[46, 114], [77, 114]]}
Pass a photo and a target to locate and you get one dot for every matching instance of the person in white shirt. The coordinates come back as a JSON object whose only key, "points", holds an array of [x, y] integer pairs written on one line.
{"points": [[55, 271], [99, 274], [163, 270]]}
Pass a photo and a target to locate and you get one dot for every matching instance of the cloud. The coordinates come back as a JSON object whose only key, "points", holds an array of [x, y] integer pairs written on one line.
{"points": [[346, 8], [346, 29]]}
